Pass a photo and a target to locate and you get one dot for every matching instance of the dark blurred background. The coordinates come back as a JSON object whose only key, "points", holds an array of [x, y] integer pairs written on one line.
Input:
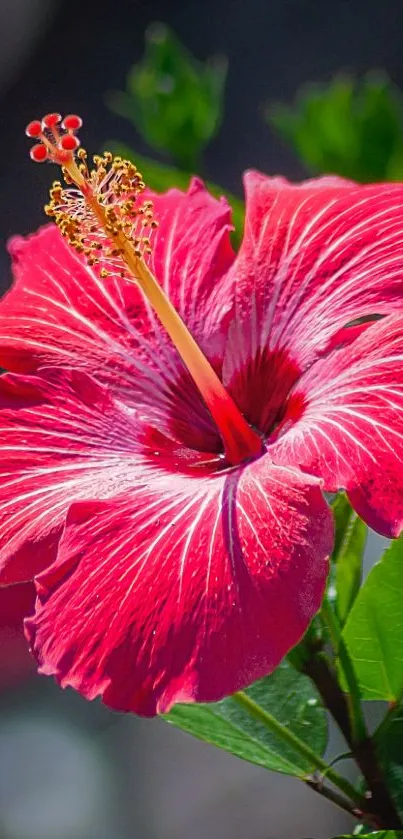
{"points": [[68, 769], [65, 54]]}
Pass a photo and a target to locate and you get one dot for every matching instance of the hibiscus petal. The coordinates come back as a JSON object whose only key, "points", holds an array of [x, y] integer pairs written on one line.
{"points": [[314, 258], [62, 438], [344, 423], [59, 312], [191, 254], [183, 590]]}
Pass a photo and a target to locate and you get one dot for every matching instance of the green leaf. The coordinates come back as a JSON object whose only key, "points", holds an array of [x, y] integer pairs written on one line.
{"points": [[350, 539], [374, 629], [160, 177], [348, 127], [289, 696], [174, 101], [388, 740], [377, 834]]}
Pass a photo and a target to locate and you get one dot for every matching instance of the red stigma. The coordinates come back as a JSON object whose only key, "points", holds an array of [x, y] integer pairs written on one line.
{"points": [[72, 122], [57, 138], [51, 120], [69, 142], [38, 153], [34, 129]]}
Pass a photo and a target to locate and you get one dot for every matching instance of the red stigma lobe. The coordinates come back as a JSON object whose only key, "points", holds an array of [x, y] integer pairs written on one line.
{"points": [[57, 138]]}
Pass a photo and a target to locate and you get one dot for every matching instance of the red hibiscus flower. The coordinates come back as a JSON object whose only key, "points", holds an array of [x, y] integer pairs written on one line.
{"points": [[164, 446]]}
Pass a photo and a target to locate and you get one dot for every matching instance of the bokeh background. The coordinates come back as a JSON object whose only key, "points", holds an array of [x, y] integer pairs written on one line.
{"points": [[70, 769]]}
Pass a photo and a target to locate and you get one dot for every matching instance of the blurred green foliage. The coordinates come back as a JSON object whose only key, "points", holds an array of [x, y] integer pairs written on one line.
{"points": [[349, 127], [377, 834], [174, 101]]}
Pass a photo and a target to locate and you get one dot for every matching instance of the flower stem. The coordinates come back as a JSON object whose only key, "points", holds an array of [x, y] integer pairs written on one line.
{"points": [[303, 750], [357, 722]]}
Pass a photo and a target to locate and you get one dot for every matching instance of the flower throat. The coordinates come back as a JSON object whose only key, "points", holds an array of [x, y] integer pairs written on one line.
{"points": [[103, 214]]}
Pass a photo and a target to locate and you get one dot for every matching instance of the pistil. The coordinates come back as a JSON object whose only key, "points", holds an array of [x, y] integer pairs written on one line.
{"points": [[108, 222]]}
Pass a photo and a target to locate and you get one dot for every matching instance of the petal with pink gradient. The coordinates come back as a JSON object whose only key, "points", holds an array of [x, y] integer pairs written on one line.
{"points": [[184, 589], [315, 257], [191, 254], [62, 439], [344, 423]]}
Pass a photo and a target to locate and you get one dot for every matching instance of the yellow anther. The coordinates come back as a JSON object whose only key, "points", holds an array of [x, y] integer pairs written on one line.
{"points": [[106, 216]]}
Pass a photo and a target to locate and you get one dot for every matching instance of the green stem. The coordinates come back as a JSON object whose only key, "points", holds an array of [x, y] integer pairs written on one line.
{"points": [[357, 722], [300, 748]]}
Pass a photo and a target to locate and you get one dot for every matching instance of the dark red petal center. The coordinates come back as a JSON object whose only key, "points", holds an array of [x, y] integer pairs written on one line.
{"points": [[261, 386]]}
